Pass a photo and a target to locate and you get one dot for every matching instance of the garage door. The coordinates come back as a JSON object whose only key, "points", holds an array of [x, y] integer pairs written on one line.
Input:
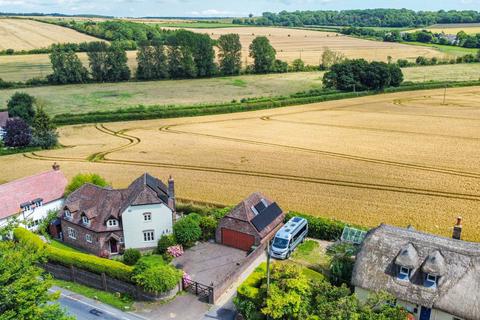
{"points": [[237, 239]]}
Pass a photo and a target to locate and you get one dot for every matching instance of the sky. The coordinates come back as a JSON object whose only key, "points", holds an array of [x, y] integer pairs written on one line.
{"points": [[212, 8]]}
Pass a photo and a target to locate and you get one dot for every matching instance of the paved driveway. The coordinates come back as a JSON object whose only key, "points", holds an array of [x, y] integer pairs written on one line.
{"points": [[210, 263]]}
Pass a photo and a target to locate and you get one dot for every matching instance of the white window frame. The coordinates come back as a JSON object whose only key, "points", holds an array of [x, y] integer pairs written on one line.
{"points": [[111, 223], [67, 214], [431, 279], [148, 235], [404, 271], [85, 220], [88, 238], [72, 233], [147, 215]]}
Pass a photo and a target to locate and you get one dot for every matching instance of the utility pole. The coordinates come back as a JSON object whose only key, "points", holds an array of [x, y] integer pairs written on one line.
{"points": [[445, 95], [268, 272]]}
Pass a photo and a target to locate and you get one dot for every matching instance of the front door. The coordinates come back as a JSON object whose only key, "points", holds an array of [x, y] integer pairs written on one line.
{"points": [[425, 313], [113, 246]]}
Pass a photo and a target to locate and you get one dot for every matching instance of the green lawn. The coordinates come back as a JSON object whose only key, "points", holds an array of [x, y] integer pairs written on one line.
{"points": [[311, 255], [152, 260], [60, 245], [121, 302]]}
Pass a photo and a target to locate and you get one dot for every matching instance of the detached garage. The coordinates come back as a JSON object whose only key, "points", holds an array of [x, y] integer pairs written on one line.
{"points": [[252, 222]]}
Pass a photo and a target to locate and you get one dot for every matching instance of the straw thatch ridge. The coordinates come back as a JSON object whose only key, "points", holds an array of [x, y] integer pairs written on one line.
{"points": [[457, 263]]}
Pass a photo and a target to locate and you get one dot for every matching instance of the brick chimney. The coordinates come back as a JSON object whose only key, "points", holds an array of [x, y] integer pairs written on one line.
{"points": [[457, 229], [171, 197], [55, 166]]}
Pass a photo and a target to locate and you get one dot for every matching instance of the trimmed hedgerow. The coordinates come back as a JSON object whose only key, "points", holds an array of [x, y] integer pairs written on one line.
{"points": [[322, 228], [84, 261]]}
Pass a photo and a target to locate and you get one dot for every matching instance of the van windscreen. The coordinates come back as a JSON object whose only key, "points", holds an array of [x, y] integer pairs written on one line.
{"points": [[280, 243]]}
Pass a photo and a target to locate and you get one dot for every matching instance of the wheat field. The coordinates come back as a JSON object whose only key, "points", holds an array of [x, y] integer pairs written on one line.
{"points": [[309, 45], [23, 34], [403, 158]]}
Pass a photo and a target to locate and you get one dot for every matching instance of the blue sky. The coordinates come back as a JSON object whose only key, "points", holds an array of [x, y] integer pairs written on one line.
{"points": [[218, 7]]}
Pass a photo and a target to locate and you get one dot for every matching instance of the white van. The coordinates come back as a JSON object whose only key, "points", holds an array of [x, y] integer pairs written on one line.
{"points": [[288, 238]]}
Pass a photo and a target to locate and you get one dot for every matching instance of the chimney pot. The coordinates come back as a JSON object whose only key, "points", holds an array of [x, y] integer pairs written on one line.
{"points": [[55, 166], [457, 229]]}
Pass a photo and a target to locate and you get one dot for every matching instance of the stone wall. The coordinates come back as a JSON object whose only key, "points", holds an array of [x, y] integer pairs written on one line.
{"points": [[105, 283]]}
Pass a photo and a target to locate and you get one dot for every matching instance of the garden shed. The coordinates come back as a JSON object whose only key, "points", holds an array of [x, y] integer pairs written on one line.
{"points": [[252, 222]]}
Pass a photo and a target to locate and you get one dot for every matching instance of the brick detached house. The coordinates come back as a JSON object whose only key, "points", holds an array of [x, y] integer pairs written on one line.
{"points": [[105, 221], [252, 222], [434, 278], [30, 199]]}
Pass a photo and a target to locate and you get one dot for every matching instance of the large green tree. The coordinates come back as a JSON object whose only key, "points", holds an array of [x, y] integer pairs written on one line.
{"points": [[181, 63], [230, 54], [24, 286], [21, 105], [97, 58], [43, 129], [263, 54], [83, 178], [116, 62], [151, 63], [67, 67]]}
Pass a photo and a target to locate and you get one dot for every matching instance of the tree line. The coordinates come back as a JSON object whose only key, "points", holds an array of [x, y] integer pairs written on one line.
{"points": [[183, 54], [362, 18], [461, 39]]}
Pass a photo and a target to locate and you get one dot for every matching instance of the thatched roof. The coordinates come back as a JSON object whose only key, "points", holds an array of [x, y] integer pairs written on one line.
{"points": [[408, 257], [456, 262]]}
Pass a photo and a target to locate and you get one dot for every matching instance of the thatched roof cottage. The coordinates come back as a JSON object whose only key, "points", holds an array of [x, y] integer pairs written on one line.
{"points": [[433, 277]]}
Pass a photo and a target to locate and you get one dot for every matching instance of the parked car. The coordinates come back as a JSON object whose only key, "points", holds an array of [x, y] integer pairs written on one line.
{"points": [[288, 238]]}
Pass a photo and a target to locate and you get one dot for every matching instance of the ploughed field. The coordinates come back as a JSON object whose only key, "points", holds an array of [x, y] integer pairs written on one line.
{"points": [[22, 34], [402, 158]]}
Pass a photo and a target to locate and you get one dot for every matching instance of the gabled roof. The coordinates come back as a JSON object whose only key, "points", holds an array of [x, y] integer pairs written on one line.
{"points": [[268, 217], [101, 204], [3, 118], [48, 186], [456, 262]]}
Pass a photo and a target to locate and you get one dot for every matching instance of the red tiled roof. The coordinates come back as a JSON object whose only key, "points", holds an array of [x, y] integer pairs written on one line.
{"points": [[3, 118], [48, 186]]}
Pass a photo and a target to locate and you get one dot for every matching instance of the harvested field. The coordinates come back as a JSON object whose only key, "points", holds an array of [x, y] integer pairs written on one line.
{"points": [[400, 158], [23, 34], [111, 96], [292, 44], [454, 28]]}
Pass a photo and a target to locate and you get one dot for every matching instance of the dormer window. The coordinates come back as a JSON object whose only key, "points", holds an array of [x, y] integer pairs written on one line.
{"points": [[112, 223], [67, 214], [85, 220], [404, 274], [431, 281], [25, 206], [37, 202]]}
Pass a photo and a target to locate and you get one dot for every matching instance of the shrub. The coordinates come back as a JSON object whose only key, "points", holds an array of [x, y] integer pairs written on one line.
{"points": [[21, 105], [84, 261], [208, 225], [321, 228], [131, 256], [158, 279], [82, 178], [17, 133], [164, 242], [187, 231]]}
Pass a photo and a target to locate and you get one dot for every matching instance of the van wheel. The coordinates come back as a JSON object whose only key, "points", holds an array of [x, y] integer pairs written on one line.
{"points": [[288, 255]]}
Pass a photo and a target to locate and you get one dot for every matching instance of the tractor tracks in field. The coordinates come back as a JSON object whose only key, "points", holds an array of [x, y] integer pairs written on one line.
{"points": [[447, 171]]}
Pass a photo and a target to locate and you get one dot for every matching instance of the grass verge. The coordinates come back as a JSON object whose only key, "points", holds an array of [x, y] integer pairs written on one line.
{"points": [[8, 151], [122, 302]]}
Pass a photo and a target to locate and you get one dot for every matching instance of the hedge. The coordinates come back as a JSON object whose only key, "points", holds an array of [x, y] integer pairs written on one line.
{"points": [[84, 261], [322, 228], [249, 289]]}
